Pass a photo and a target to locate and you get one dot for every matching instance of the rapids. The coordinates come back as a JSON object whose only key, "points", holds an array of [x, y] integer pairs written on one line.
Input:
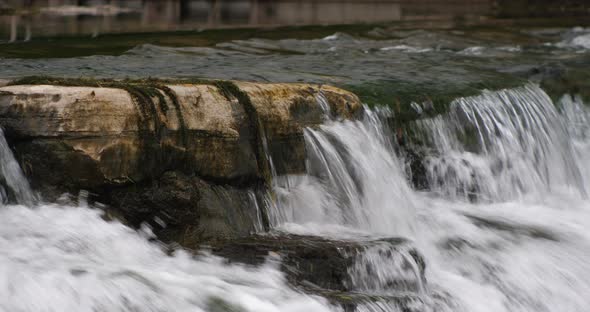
{"points": [[503, 228], [521, 244]]}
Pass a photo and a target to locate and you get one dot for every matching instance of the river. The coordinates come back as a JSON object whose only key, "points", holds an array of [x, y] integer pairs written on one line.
{"points": [[503, 225]]}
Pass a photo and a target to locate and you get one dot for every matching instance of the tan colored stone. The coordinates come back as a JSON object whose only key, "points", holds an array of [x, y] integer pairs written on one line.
{"points": [[284, 109], [203, 131], [192, 156], [45, 111], [205, 109], [342, 103]]}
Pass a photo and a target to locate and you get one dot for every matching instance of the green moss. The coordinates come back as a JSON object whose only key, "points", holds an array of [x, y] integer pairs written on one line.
{"points": [[572, 81], [107, 83], [400, 94], [183, 131], [230, 90]]}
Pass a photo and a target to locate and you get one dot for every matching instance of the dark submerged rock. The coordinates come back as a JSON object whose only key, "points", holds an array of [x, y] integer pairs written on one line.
{"points": [[317, 262], [326, 267]]}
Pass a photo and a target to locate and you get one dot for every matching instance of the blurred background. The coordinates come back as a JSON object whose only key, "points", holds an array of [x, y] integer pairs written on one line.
{"points": [[22, 20]]}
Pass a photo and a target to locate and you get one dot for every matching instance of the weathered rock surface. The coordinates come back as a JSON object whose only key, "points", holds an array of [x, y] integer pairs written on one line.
{"points": [[313, 261], [283, 110], [189, 154], [348, 273]]}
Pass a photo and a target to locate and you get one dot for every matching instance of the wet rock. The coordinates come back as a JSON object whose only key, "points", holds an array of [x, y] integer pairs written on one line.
{"points": [[558, 80], [514, 228], [428, 105], [189, 154], [131, 140], [413, 148], [54, 167], [187, 209], [319, 264], [294, 107], [352, 302], [416, 170]]}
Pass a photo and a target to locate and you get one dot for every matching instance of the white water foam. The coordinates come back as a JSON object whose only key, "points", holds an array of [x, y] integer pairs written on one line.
{"points": [[577, 38], [67, 258], [63, 258], [500, 146], [353, 180], [526, 247], [523, 245]]}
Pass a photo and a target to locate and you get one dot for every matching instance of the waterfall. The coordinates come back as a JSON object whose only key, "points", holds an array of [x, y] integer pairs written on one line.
{"points": [[577, 121], [504, 218], [380, 268], [500, 146], [522, 245], [13, 177], [68, 258], [353, 179], [501, 228]]}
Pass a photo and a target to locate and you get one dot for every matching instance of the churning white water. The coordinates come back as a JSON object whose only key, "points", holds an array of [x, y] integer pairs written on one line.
{"points": [[67, 258], [504, 226], [524, 246], [500, 146], [353, 178]]}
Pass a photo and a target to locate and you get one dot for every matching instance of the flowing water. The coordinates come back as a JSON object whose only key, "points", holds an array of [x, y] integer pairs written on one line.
{"points": [[501, 145], [67, 258], [520, 244], [14, 182], [503, 225]]}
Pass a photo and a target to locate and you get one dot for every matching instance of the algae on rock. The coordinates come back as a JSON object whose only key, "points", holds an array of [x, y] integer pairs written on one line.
{"points": [[186, 152]]}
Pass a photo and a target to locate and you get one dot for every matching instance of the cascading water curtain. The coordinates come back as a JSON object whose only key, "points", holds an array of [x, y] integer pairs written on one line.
{"points": [[353, 179], [501, 145], [13, 177]]}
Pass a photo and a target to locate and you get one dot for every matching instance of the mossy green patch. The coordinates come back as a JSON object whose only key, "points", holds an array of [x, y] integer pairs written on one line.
{"points": [[230, 90], [574, 81], [107, 83], [399, 95]]}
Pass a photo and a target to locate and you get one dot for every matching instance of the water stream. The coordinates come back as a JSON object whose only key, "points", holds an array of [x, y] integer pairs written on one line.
{"points": [[11, 176], [503, 228]]}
